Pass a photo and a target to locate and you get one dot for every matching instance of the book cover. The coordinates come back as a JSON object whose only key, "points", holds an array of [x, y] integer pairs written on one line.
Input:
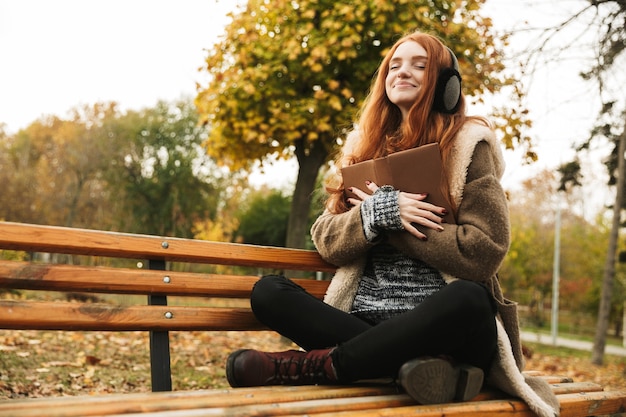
{"points": [[417, 170]]}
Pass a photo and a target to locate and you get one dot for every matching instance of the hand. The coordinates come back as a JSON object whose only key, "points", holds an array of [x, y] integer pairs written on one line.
{"points": [[413, 210], [362, 195]]}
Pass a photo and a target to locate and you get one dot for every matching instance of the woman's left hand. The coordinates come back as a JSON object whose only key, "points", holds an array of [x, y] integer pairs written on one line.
{"points": [[413, 210]]}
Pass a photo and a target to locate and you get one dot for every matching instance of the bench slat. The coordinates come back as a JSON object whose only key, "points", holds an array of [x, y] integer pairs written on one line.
{"points": [[576, 387], [180, 400], [593, 403], [37, 238], [319, 401], [312, 407], [572, 405], [24, 275], [40, 315]]}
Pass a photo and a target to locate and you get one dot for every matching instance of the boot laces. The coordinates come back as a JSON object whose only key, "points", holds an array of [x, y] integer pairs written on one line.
{"points": [[301, 367]]}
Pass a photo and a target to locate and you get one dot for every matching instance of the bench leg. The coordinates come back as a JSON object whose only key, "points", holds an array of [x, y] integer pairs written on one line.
{"points": [[160, 361], [160, 369]]}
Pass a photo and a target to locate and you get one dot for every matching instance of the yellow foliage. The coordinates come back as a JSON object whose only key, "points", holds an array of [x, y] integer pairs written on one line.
{"points": [[319, 52], [317, 67], [249, 89], [262, 97], [333, 84], [323, 126], [216, 232], [346, 92], [308, 14], [12, 255], [319, 95], [335, 103]]}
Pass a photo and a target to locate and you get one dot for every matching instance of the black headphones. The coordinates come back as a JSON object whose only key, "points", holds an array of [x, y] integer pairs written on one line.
{"points": [[448, 89]]}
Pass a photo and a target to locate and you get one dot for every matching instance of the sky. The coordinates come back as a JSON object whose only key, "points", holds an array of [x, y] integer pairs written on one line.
{"points": [[57, 55], [60, 54]]}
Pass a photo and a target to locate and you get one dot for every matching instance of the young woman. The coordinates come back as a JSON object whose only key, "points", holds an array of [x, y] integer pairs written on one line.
{"points": [[414, 298]]}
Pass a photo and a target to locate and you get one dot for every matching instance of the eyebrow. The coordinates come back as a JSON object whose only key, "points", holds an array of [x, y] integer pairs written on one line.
{"points": [[413, 58]]}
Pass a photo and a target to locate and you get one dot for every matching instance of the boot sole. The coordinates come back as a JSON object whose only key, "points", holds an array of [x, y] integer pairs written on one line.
{"points": [[436, 381]]}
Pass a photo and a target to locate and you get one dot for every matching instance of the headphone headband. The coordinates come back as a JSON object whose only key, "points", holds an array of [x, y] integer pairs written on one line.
{"points": [[455, 62]]}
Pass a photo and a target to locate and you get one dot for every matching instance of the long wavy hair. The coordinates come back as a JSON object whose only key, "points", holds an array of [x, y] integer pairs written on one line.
{"points": [[381, 130]]}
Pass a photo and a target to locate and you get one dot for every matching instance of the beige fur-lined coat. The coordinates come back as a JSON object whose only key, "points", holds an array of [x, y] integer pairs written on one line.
{"points": [[472, 249]]}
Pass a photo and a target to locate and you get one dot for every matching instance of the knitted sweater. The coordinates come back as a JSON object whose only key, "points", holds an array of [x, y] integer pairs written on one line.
{"points": [[392, 282], [477, 243]]}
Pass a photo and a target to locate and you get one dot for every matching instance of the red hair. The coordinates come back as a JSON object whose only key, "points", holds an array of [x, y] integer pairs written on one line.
{"points": [[381, 129]]}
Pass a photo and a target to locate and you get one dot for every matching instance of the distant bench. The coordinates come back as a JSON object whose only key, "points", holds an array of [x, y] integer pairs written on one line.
{"points": [[158, 318]]}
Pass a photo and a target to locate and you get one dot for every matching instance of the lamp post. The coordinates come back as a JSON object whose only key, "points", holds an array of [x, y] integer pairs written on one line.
{"points": [[556, 272]]}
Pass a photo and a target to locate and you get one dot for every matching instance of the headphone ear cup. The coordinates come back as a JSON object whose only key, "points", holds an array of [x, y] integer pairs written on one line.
{"points": [[447, 91]]}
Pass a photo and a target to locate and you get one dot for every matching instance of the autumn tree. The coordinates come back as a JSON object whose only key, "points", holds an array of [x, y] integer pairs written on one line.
{"points": [[138, 171], [288, 77], [263, 219], [160, 177], [527, 271], [56, 167], [7, 174], [602, 21]]}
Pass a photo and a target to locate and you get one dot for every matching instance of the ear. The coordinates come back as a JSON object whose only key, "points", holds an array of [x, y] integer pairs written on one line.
{"points": [[447, 91]]}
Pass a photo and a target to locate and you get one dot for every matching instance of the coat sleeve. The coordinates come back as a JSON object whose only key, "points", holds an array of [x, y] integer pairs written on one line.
{"points": [[339, 238], [476, 245]]}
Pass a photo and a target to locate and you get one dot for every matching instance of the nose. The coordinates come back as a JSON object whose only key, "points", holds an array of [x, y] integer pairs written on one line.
{"points": [[403, 72]]}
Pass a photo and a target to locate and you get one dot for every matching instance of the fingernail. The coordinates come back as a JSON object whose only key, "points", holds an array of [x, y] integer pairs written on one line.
{"points": [[445, 211], [350, 189], [368, 182], [424, 238]]}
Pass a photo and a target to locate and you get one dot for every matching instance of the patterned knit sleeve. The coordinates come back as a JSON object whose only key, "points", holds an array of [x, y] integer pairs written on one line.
{"points": [[381, 212]]}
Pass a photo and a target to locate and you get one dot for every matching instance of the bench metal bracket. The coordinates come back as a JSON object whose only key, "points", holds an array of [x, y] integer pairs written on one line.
{"points": [[160, 368]]}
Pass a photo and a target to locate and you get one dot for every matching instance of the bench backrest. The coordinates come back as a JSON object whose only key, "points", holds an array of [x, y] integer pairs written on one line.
{"points": [[155, 282]]}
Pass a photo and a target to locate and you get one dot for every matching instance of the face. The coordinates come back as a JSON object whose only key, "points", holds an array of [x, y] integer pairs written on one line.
{"points": [[406, 72]]}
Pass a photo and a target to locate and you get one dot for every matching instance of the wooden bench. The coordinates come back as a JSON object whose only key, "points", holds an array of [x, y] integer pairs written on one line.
{"points": [[158, 282]]}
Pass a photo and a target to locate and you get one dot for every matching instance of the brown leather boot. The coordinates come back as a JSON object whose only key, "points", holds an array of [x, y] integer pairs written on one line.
{"points": [[252, 368], [436, 381]]}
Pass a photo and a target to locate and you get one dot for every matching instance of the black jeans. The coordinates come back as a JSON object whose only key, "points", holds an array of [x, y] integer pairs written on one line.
{"points": [[458, 321]]}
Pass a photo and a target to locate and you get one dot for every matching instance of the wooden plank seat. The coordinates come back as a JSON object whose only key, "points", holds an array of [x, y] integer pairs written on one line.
{"points": [[577, 399], [156, 316]]}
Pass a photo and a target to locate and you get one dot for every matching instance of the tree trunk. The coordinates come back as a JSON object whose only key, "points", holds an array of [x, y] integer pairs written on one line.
{"points": [[599, 343], [73, 206], [310, 161]]}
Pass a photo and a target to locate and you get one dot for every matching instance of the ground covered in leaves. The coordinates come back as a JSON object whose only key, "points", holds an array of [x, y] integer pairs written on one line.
{"points": [[55, 363]]}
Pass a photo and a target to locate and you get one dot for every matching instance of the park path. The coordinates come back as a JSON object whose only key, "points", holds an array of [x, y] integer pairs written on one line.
{"points": [[546, 339]]}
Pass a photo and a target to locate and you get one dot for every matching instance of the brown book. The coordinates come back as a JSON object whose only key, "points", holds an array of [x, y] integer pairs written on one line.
{"points": [[417, 170]]}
